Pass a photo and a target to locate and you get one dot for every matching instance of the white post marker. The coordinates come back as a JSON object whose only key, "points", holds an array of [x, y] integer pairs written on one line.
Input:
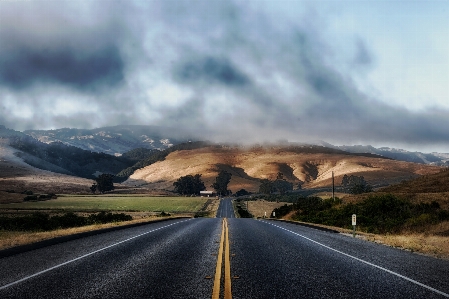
{"points": [[274, 214], [354, 223]]}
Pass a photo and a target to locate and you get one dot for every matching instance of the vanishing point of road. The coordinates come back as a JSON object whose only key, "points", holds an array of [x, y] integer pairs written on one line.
{"points": [[223, 257]]}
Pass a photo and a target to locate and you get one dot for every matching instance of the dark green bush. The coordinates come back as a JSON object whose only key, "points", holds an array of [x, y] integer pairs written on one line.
{"points": [[43, 222], [243, 212], [376, 214], [30, 198]]}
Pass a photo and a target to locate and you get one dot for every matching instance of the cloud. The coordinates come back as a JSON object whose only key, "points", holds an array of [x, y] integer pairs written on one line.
{"points": [[228, 70], [73, 67], [362, 56], [210, 70]]}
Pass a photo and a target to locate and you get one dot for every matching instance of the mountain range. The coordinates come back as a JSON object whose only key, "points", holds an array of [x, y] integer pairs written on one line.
{"points": [[154, 157], [120, 139], [434, 158], [114, 140]]}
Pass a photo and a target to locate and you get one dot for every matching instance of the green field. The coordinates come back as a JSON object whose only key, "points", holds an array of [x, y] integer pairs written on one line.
{"points": [[114, 203]]}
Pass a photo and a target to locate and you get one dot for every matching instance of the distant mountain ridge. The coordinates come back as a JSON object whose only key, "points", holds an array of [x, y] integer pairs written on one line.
{"points": [[114, 140], [117, 140], [311, 165], [437, 159]]}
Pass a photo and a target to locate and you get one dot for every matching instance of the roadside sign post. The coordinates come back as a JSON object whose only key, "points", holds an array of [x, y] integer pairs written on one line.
{"points": [[354, 223]]}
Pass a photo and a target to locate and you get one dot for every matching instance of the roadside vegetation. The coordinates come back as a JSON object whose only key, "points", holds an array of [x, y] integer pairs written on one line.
{"points": [[242, 209], [413, 215], [378, 213], [111, 203], [39, 221], [31, 221]]}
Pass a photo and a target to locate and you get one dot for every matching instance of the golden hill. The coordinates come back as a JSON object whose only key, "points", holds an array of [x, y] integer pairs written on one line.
{"points": [[431, 183], [311, 166]]}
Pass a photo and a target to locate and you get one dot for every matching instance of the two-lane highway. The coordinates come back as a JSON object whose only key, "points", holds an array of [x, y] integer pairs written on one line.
{"points": [[225, 209], [190, 258]]}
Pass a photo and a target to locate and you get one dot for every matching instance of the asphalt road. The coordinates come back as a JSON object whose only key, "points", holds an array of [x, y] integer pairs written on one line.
{"points": [[179, 259], [225, 209]]}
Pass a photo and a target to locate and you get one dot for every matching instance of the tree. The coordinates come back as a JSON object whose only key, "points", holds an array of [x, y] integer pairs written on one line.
{"points": [[355, 184], [93, 188], [282, 186], [242, 192], [189, 184], [105, 182], [221, 182], [280, 176], [266, 186]]}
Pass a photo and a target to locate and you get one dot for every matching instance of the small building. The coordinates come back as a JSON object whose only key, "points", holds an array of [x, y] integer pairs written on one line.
{"points": [[207, 193]]}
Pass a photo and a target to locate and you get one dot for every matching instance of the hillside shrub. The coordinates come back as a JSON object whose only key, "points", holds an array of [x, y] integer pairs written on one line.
{"points": [[376, 214], [30, 198], [244, 213], [43, 222]]}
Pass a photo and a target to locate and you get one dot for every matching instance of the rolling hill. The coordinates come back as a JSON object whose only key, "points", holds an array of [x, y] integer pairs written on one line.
{"points": [[311, 166]]}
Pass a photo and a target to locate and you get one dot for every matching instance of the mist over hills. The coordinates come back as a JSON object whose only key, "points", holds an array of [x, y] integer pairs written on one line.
{"points": [[434, 158], [117, 140], [125, 150], [114, 140]]}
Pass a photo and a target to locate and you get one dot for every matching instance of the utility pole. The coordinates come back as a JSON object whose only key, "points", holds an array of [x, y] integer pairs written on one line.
{"points": [[333, 187]]}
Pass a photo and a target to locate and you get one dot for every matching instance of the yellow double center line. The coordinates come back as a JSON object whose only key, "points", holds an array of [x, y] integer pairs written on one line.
{"points": [[224, 243]]}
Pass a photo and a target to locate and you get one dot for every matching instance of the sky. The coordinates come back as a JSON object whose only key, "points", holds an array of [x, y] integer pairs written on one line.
{"points": [[346, 72]]}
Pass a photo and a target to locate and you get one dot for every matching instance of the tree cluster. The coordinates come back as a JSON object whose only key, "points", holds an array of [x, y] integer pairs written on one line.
{"points": [[280, 185], [355, 184], [189, 184], [242, 192], [221, 182], [103, 183]]}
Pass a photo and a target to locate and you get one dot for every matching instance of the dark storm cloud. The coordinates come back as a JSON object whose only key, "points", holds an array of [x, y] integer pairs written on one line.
{"points": [[329, 105], [362, 56], [218, 66], [81, 69], [211, 70]]}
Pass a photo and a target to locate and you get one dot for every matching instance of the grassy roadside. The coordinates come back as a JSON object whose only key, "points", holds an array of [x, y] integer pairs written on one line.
{"points": [[113, 203], [429, 241], [10, 239], [143, 209], [422, 243]]}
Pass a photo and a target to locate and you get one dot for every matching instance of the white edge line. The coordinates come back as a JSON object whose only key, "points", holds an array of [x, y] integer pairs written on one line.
{"points": [[365, 262], [83, 256]]}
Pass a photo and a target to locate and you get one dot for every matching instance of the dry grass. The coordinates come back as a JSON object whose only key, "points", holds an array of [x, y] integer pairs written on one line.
{"points": [[248, 166], [258, 208], [429, 183], [10, 239], [434, 242], [436, 246], [429, 243]]}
